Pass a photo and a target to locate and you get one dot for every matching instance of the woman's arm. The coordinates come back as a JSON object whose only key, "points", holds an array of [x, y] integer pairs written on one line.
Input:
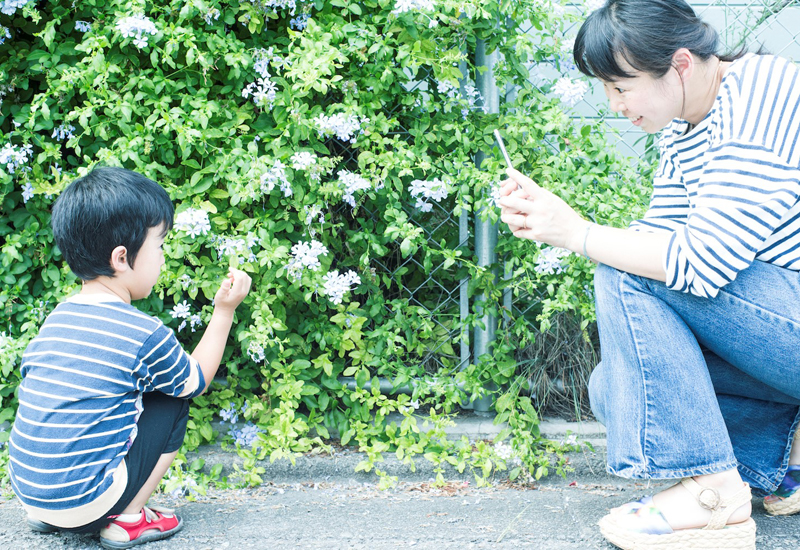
{"points": [[537, 214]]}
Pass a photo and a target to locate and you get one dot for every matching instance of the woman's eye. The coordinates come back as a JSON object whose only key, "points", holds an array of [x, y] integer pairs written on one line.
{"points": [[620, 90]]}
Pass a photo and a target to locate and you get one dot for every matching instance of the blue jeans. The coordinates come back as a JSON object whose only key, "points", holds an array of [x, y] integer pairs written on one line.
{"points": [[690, 386]]}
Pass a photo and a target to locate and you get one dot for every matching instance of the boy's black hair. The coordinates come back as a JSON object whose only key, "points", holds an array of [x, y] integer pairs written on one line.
{"points": [[107, 208]]}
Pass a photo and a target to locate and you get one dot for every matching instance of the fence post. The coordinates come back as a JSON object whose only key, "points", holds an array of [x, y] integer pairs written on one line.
{"points": [[485, 231]]}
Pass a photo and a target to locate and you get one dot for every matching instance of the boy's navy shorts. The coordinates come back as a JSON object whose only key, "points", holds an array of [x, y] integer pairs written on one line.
{"points": [[161, 428]]}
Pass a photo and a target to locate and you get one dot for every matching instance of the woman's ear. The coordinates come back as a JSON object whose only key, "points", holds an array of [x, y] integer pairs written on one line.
{"points": [[683, 62], [119, 259]]}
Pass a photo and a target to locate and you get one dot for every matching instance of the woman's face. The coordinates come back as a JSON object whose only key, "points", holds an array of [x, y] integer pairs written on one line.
{"points": [[647, 102]]}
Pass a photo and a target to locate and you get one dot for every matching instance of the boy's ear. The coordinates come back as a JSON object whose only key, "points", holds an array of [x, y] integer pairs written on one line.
{"points": [[119, 259]]}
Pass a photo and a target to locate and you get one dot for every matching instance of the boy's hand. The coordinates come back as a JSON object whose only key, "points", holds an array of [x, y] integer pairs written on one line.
{"points": [[232, 290]]}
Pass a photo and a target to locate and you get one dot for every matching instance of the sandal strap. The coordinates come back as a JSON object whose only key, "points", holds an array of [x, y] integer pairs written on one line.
{"points": [[710, 499]]}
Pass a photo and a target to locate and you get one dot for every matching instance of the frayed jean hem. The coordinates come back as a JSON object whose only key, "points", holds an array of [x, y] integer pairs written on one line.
{"points": [[636, 472]]}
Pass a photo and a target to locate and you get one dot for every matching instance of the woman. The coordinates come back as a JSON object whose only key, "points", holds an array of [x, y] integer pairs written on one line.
{"points": [[698, 304]]}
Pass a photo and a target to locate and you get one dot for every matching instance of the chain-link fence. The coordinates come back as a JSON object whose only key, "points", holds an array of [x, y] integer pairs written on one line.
{"points": [[441, 297]]}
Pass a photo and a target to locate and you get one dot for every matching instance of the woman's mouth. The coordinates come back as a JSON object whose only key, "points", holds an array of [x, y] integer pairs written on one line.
{"points": [[635, 120]]}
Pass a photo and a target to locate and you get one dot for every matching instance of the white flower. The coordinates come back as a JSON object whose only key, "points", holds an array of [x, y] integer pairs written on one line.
{"points": [[314, 213], [350, 183], [344, 127], [4, 33], [302, 160], [276, 174], [212, 15], [8, 7], [27, 191], [233, 246], [14, 157], [402, 6], [435, 189], [263, 91], [299, 23], [63, 132], [83, 26], [305, 255], [181, 310], [570, 91], [193, 221], [548, 262], [256, 352], [335, 286], [136, 27]]}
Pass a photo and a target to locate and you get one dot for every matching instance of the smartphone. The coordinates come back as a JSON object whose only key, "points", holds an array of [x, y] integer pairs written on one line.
{"points": [[502, 147]]}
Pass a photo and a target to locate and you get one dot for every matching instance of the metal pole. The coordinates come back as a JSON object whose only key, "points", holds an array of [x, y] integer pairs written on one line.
{"points": [[485, 231]]}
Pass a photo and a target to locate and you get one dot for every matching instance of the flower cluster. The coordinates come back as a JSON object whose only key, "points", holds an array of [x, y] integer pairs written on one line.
{"points": [[305, 255], [334, 286], [183, 311], [276, 175], [548, 262], [27, 191], [187, 282], [423, 191], [350, 183], [410, 408], [402, 6], [136, 27], [246, 436], [313, 214], [299, 23], [212, 15], [13, 156], [344, 127], [256, 352], [193, 221], [9, 7], [63, 132], [263, 91], [231, 414], [83, 26], [236, 246], [4, 33], [570, 91], [303, 160], [185, 487], [266, 57]]}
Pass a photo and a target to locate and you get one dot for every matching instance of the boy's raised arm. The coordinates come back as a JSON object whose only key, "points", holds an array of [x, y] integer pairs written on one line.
{"points": [[212, 345]]}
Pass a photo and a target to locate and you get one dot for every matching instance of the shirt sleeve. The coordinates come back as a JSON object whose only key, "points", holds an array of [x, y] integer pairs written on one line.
{"points": [[747, 187], [165, 366]]}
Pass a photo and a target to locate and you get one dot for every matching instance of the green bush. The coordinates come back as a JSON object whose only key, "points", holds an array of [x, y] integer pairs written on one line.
{"points": [[287, 128]]}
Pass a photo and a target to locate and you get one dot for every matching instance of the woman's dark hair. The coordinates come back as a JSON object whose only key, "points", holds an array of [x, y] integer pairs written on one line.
{"points": [[645, 33], [107, 208]]}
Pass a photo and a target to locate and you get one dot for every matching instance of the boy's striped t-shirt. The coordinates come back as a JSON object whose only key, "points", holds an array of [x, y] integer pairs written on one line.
{"points": [[728, 189], [79, 400]]}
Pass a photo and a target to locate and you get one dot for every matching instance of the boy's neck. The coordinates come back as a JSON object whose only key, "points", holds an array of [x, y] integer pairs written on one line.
{"points": [[106, 285]]}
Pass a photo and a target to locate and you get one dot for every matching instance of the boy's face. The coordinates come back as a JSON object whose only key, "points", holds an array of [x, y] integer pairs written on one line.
{"points": [[148, 264]]}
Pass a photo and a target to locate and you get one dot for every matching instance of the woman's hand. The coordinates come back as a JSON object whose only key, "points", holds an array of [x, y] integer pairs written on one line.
{"points": [[537, 214]]}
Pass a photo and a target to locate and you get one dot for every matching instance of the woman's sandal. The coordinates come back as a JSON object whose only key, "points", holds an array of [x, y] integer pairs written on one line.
{"points": [[641, 526], [786, 500]]}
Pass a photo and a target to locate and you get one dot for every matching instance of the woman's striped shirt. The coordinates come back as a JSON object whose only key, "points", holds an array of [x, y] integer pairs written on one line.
{"points": [[728, 189], [79, 401]]}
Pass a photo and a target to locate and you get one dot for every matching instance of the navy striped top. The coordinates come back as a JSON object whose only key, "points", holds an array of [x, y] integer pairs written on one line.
{"points": [[80, 398], [728, 189]]}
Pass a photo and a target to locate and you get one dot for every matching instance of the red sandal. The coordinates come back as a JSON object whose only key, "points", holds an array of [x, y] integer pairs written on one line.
{"points": [[155, 524]]}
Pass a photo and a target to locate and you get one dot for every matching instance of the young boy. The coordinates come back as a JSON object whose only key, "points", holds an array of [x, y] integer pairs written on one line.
{"points": [[103, 400]]}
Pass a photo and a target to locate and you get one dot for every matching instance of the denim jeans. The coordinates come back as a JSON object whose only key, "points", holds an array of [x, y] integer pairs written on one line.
{"points": [[690, 386]]}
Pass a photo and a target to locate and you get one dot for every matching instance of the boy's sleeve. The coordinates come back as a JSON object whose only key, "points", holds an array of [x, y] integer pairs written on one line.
{"points": [[165, 366]]}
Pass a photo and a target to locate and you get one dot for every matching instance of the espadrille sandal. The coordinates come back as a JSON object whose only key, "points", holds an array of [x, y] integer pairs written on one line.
{"points": [[641, 526], [786, 500]]}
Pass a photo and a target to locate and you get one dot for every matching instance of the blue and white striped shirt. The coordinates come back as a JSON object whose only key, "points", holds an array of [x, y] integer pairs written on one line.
{"points": [[80, 398], [728, 190]]}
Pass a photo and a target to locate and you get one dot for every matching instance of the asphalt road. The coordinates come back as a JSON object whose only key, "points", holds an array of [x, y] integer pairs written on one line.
{"points": [[322, 503]]}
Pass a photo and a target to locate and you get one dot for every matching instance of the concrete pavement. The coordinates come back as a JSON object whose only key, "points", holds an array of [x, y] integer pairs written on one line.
{"points": [[321, 502]]}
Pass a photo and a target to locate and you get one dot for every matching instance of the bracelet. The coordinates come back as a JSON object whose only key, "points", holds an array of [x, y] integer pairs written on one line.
{"points": [[585, 238]]}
